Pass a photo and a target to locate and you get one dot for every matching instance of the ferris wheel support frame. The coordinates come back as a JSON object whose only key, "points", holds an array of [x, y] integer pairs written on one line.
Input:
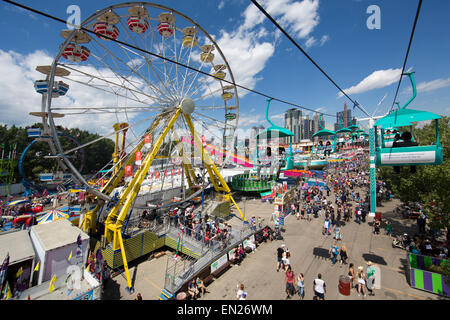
{"points": [[115, 219]]}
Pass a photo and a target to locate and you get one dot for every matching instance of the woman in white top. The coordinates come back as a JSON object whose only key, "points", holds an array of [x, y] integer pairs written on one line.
{"points": [[361, 281], [285, 259], [241, 294]]}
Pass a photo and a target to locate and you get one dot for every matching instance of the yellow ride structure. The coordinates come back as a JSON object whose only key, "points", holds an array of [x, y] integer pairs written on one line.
{"points": [[114, 222]]}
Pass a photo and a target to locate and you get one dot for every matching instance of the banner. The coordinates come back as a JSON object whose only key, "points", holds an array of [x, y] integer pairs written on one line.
{"points": [[138, 158], [128, 173], [148, 141], [266, 196]]}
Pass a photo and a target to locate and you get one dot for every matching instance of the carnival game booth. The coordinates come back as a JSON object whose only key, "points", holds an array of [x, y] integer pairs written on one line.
{"points": [[284, 199], [427, 273], [54, 242], [409, 153], [16, 249]]}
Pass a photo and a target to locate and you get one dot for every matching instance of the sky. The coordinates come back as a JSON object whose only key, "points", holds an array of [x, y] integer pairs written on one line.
{"points": [[365, 62]]}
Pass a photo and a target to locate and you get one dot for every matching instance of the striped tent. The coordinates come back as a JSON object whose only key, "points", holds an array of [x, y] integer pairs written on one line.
{"points": [[52, 215]]}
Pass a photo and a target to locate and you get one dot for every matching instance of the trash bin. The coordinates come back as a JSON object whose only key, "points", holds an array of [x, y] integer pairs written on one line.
{"points": [[344, 285]]}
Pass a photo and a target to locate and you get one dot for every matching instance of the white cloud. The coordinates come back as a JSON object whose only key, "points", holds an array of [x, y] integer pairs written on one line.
{"points": [[221, 5], [297, 17], [249, 47], [324, 39], [310, 42], [378, 79], [433, 85], [18, 97]]}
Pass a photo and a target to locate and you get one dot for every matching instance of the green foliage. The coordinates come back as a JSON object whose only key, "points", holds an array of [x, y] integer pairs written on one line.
{"points": [[430, 185], [97, 155]]}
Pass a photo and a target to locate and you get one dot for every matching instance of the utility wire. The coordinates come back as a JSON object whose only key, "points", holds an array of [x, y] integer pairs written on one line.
{"points": [[355, 103], [407, 53], [164, 58]]}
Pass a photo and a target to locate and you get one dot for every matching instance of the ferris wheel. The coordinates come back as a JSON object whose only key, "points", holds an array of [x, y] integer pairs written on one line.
{"points": [[135, 85]]}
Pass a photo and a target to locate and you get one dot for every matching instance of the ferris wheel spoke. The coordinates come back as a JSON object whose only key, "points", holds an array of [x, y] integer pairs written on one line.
{"points": [[108, 135], [114, 58], [107, 82]]}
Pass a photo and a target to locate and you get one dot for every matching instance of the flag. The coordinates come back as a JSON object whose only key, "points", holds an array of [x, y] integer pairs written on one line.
{"points": [[3, 269], [36, 268], [70, 255], [19, 272], [52, 283], [7, 294]]}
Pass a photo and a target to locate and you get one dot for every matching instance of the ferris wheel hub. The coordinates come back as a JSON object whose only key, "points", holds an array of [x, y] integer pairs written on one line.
{"points": [[187, 106]]}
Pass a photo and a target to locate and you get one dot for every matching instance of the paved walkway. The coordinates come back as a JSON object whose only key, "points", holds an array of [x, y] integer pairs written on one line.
{"points": [[309, 255]]}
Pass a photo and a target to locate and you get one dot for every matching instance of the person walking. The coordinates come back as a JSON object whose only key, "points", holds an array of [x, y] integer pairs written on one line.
{"points": [[301, 286], [343, 252], [351, 274], [334, 250], [361, 281], [319, 288], [289, 281], [370, 278], [241, 294], [280, 252]]}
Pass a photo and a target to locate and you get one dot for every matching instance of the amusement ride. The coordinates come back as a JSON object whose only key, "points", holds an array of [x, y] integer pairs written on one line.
{"points": [[160, 105]]}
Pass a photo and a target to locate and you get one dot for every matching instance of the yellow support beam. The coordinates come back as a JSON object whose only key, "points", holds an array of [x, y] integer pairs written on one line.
{"points": [[190, 173], [132, 190], [210, 166], [114, 229], [90, 217]]}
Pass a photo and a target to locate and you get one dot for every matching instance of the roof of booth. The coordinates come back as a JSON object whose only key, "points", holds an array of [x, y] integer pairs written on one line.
{"points": [[324, 132], [405, 117], [274, 132], [353, 126], [343, 130]]}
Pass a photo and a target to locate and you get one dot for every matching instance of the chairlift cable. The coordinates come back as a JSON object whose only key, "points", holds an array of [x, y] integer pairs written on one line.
{"points": [[166, 59], [355, 103], [407, 53]]}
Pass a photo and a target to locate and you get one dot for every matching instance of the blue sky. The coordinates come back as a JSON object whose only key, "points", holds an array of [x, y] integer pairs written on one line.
{"points": [[333, 32]]}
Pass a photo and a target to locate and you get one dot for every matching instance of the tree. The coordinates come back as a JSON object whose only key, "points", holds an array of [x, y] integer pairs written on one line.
{"points": [[97, 155], [430, 185]]}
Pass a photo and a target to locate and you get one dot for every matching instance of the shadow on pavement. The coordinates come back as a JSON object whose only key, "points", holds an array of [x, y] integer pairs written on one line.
{"points": [[374, 258], [111, 290], [405, 270], [321, 253]]}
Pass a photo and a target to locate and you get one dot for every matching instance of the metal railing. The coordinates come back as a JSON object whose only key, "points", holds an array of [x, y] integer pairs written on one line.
{"points": [[178, 272]]}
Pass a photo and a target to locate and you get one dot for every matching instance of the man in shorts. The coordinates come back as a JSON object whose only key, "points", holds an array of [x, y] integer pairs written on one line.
{"points": [[319, 288], [280, 252]]}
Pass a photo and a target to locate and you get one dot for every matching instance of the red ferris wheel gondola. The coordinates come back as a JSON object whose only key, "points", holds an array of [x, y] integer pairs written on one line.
{"points": [[105, 29], [75, 52], [165, 29], [137, 25]]}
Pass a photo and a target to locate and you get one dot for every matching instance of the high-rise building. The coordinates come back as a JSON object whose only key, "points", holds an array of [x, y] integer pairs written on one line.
{"points": [[343, 119], [316, 125], [255, 130], [307, 128], [293, 122]]}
